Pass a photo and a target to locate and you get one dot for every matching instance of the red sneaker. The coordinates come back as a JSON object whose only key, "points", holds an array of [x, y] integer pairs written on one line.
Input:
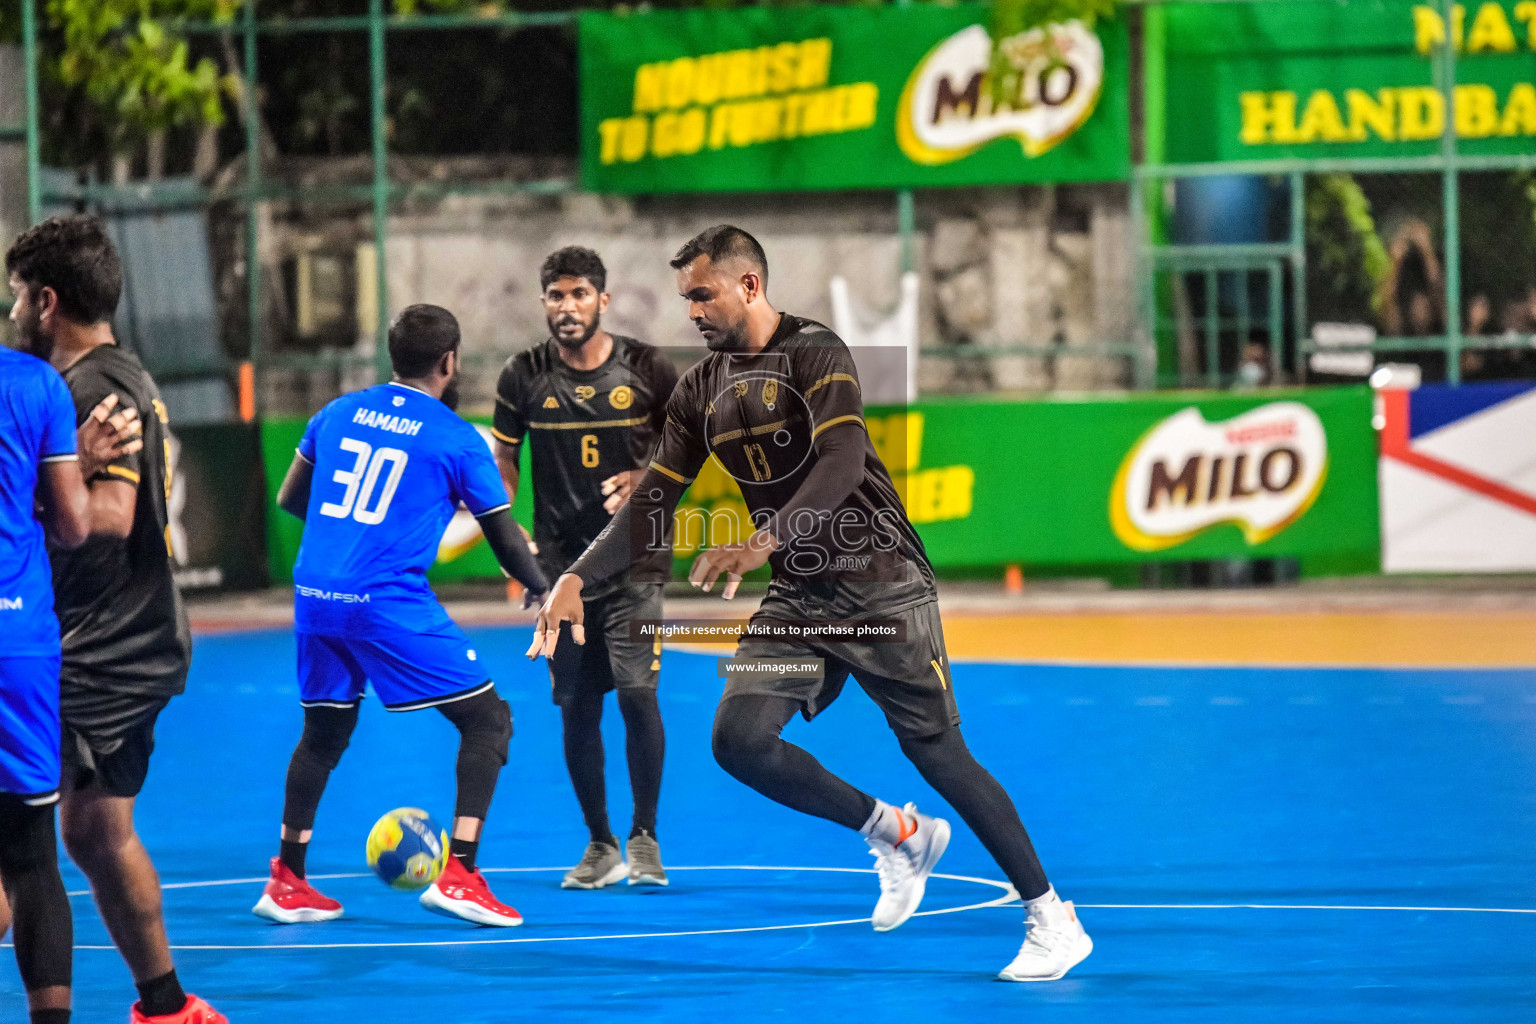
{"points": [[458, 893], [195, 1012], [288, 899]]}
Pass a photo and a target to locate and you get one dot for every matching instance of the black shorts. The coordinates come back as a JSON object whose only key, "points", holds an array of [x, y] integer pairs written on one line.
{"points": [[609, 659], [107, 739], [910, 680]]}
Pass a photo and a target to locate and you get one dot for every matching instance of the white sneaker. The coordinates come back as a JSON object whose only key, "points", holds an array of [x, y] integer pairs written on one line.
{"points": [[1054, 943], [904, 866]]}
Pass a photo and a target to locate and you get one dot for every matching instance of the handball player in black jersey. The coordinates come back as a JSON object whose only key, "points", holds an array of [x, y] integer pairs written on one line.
{"points": [[590, 405], [126, 645], [777, 401]]}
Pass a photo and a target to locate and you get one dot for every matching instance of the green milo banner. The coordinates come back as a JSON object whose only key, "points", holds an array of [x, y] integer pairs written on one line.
{"points": [[1327, 79], [1068, 482], [831, 97]]}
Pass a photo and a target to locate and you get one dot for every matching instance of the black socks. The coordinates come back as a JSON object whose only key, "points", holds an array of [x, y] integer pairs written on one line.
{"points": [[51, 1016], [292, 855], [465, 851], [161, 996]]}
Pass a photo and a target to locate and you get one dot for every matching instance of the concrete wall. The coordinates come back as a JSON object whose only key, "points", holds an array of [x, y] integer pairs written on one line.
{"points": [[998, 266], [13, 160]]}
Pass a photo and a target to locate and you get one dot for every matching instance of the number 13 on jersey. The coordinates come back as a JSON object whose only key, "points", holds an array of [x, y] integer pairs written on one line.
{"points": [[361, 480]]}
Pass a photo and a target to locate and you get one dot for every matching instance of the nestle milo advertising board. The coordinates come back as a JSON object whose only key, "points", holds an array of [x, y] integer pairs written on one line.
{"points": [[830, 97], [1057, 483]]}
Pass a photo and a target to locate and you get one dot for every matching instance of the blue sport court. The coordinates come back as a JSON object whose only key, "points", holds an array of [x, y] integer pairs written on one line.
{"points": [[1243, 844]]}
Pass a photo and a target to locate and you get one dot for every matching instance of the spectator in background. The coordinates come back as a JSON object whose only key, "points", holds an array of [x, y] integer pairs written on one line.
{"points": [[1414, 291], [1253, 371]]}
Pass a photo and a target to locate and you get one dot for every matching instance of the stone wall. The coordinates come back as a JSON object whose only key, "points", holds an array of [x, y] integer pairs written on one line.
{"points": [[1000, 267]]}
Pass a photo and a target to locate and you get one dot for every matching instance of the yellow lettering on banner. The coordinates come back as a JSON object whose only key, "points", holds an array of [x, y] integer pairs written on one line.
{"points": [[863, 99], [650, 85], [675, 134], [719, 125], [815, 64], [741, 124], [708, 78], [1429, 27], [608, 134], [781, 69], [1526, 12], [1322, 121], [1477, 111], [1376, 113], [680, 89], [794, 108], [632, 140], [1520, 112], [935, 495], [1491, 31], [738, 75], [1268, 117], [1421, 113]]}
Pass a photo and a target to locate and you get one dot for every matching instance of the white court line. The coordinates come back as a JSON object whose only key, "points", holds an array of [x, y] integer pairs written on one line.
{"points": [[1299, 906], [1008, 896]]}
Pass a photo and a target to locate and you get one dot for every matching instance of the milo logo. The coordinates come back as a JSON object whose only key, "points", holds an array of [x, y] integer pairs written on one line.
{"points": [[1039, 86], [1260, 471]]}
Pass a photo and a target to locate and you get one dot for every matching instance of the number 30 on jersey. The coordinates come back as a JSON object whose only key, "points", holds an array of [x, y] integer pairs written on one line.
{"points": [[361, 480]]}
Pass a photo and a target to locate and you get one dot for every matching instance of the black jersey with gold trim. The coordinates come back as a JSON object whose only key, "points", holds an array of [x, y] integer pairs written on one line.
{"points": [[123, 625], [583, 426], [761, 416]]}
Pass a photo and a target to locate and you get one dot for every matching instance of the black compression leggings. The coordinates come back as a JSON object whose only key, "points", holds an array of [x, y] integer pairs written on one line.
{"points": [[645, 747], [747, 744], [485, 727], [43, 929]]}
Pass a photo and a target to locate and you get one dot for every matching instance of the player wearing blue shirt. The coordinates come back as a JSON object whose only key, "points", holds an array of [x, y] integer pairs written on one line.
{"points": [[39, 463], [376, 478]]}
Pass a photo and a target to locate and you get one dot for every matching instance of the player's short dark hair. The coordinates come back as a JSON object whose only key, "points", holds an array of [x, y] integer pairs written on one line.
{"points": [[419, 337], [723, 242], [74, 257], [574, 261]]}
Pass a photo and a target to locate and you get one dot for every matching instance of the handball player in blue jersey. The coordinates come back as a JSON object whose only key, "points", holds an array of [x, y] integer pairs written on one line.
{"points": [[42, 487], [376, 478]]}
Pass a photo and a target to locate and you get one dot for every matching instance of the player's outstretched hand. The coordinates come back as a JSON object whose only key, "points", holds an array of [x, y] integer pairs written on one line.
{"points": [[106, 435], [563, 605], [619, 487], [732, 560]]}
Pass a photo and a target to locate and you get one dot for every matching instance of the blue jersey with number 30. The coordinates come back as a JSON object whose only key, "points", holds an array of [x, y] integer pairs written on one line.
{"points": [[392, 464]]}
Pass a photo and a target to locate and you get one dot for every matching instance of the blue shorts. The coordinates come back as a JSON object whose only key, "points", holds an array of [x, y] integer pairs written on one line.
{"points": [[410, 671], [29, 728]]}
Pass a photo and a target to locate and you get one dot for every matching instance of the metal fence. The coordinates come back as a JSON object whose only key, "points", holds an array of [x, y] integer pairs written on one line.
{"points": [[1201, 310]]}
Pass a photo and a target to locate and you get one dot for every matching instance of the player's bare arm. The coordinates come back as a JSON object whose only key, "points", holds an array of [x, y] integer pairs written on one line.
{"points": [[293, 493], [507, 456], [65, 502]]}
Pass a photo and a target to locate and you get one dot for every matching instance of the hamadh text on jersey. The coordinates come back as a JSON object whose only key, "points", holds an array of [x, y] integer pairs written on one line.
{"points": [[384, 421]]}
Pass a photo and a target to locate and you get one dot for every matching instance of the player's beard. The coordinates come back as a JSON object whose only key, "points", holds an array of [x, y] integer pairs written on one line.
{"points": [[451, 392], [726, 339], [33, 339], [573, 343]]}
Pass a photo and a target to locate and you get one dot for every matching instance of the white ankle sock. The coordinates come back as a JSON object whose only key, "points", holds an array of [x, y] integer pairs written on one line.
{"points": [[884, 824]]}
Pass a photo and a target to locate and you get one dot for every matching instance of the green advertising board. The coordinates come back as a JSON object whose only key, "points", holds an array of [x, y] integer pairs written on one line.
{"points": [[1069, 482], [1330, 79], [831, 97]]}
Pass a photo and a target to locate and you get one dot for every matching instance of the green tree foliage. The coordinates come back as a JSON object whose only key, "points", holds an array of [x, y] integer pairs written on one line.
{"points": [[133, 72], [1347, 262]]}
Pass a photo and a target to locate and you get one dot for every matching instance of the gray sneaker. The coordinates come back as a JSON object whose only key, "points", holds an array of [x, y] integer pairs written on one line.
{"points": [[601, 865], [645, 862]]}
